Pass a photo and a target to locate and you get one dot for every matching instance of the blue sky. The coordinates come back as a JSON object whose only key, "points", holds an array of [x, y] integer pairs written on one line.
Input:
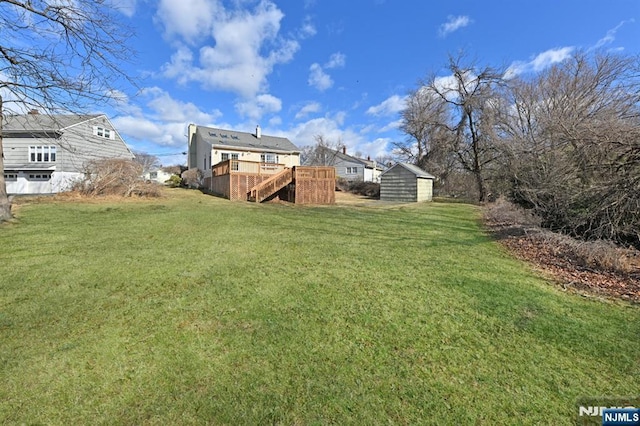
{"points": [[340, 69]]}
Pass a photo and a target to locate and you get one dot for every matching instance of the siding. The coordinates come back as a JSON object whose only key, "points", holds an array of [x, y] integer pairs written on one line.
{"points": [[402, 185], [79, 145], [75, 147]]}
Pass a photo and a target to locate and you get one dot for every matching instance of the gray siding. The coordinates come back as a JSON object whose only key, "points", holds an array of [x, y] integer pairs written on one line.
{"points": [[75, 147], [79, 145], [341, 169], [402, 185]]}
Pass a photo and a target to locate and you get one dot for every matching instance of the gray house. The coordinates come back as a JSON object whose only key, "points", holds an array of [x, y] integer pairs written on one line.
{"points": [[406, 183], [347, 166], [46, 154]]}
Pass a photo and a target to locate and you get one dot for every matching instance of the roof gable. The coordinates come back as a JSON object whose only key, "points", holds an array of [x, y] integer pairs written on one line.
{"points": [[413, 169], [43, 123], [222, 138]]}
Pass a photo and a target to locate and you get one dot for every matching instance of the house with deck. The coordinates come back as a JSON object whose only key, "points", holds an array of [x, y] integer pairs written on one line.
{"points": [[46, 154], [256, 167]]}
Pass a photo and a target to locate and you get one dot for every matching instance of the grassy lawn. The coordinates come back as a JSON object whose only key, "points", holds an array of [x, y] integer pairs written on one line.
{"points": [[191, 309]]}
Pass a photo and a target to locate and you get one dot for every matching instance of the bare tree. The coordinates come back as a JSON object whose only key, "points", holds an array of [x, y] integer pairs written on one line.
{"points": [[58, 56], [147, 161], [574, 145], [457, 115], [323, 153]]}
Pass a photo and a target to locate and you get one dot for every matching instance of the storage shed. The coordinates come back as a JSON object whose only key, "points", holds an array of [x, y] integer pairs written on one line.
{"points": [[406, 183]]}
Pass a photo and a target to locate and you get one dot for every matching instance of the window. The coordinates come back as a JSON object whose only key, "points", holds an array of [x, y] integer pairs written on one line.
{"points": [[269, 158], [39, 176], [103, 132], [153, 175], [10, 177], [352, 170], [233, 156], [42, 154]]}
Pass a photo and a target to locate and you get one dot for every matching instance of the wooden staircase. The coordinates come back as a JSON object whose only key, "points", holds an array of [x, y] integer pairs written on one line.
{"points": [[269, 187]]}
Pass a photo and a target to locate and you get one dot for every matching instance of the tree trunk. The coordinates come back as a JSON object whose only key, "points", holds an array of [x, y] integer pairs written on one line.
{"points": [[5, 205]]}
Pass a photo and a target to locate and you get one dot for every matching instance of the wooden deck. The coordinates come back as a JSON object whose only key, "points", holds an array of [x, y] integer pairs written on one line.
{"points": [[246, 180]]}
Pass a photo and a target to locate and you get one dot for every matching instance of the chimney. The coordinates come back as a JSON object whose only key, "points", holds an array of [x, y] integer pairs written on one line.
{"points": [[258, 132], [368, 158], [344, 149]]}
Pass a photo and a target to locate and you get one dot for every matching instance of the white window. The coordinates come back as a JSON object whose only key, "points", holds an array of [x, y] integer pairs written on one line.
{"points": [[269, 158], [42, 154], [352, 170], [103, 132], [233, 156], [10, 176]]}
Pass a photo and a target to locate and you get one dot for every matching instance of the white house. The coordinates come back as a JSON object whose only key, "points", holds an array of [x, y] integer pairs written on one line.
{"points": [[158, 175], [46, 154], [209, 146]]}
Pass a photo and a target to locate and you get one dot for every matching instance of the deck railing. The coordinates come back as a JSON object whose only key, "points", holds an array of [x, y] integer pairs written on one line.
{"points": [[267, 188], [246, 167]]}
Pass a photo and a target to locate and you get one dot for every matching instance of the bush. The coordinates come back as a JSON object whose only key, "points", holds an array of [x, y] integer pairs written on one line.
{"points": [[174, 181], [115, 176], [192, 178], [367, 189]]}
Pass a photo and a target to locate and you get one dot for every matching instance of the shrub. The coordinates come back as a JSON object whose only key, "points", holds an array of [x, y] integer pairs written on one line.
{"points": [[115, 176], [174, 181], [192, 178]]}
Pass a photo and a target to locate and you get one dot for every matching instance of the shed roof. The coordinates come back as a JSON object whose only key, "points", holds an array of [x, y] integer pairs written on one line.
{"points": [[221, 138], [413, 169]]}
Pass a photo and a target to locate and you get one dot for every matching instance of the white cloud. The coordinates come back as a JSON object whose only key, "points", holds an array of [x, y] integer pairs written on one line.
{"points": [[318, 78], [337, 60], [164, 120], [126, 7], [257, 107], [389, 106], [309, 108], [453, 23], [190, 20], [394, 125], [540, 62], [611, 35], [246, 45], [307, 29]]}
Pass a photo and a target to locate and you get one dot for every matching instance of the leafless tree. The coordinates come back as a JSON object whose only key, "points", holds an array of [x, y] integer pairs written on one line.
{"points": [[456, 115], [323, 153], [58, 56], [574, 145], [147, 161]]}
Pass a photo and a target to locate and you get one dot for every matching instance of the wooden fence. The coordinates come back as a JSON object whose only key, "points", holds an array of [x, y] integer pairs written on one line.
{"points": [[245, 180]]}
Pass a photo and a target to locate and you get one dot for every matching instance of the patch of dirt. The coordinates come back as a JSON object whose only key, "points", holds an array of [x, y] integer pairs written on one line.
{"points": [[587, 268]]}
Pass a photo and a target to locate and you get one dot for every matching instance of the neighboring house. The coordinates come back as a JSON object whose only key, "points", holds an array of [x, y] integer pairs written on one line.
{"points": [[158, 175], [406, 183], [347, 166], [209, 146], [46, 154]]}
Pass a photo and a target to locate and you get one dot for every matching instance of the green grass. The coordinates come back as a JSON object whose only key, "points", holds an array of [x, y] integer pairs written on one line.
{"points": [[191, 309]]}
